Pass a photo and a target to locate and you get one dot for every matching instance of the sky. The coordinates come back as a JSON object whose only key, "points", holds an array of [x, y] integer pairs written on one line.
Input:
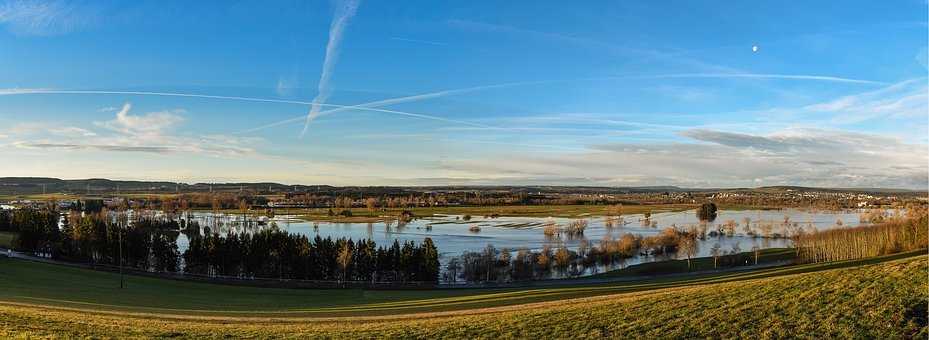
{"points": [[354, 92]]}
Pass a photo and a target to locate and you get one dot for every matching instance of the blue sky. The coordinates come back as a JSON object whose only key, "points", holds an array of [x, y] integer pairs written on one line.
{"points": [[696, 94]]}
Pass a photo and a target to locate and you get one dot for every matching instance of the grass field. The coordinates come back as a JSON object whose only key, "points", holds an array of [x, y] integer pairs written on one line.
{"points": [[883, 297]]}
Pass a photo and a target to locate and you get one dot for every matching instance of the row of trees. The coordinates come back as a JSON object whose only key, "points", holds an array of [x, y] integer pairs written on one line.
{"points": [[902, 232], [272, 253], [36, 229], [148, 242]]}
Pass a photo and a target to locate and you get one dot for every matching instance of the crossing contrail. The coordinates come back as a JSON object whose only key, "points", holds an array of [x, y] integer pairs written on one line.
{"points": [[12, 92], [372, 106], [444, 93], [400, 100]]}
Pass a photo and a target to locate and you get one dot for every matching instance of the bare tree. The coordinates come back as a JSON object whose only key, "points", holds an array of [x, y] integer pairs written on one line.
{"points": [[345, 259], [716, 252], [688, 246]]}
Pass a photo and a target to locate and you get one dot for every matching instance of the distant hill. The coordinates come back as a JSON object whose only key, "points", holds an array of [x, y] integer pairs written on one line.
{"points": [[94, 186]]}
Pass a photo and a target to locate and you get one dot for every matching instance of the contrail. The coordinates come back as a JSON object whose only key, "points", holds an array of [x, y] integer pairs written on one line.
{"points": [[444, 93], [400, 100], [371, 105], [13, 92], [345, 11]]}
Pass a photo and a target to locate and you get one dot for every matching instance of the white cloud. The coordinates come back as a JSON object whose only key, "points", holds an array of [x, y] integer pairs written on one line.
{"points": [[149, 124], [152, 132], [723, 159]]}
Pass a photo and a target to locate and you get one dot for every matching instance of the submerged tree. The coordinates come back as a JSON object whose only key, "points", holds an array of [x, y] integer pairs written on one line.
{"points": [[707, 212]]}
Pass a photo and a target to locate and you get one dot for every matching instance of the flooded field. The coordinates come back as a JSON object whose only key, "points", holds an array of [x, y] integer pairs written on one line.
{"points": [[454, 236]]}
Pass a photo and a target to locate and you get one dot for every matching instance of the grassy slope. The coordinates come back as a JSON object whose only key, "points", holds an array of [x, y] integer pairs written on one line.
{"points": [[873, 301], [30, 282]]}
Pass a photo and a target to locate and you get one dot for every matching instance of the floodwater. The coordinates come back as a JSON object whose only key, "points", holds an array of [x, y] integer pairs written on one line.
{"points": [[454, 236]]}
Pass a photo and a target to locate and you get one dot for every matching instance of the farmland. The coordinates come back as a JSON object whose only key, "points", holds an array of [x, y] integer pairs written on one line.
{"points": [[878, 297]]}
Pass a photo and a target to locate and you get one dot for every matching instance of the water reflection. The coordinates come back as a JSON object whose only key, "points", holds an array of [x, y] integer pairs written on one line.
{"points": [[454, 235]]}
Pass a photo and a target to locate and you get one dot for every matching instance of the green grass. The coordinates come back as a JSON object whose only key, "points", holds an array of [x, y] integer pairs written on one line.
{"points": [[7, 239], [697, 264], [47, 284], [875, 298]]}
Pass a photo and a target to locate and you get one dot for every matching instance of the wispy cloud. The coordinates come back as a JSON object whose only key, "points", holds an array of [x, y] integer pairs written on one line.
{"points": [[647, 54], [908, 98], [345, 10], [285, 86], [72, 131], [763, 76], [117, 148], [34, 17]]}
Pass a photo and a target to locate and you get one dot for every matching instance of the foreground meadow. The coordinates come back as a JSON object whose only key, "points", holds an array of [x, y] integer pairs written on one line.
{"points": [[883, 298]]}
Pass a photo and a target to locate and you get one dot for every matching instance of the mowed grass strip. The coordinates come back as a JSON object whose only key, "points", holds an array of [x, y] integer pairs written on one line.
{"points": [[883, 298]]}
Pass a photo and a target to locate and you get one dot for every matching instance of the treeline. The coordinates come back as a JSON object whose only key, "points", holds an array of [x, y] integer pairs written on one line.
{"points": [[494, 264], [148, 242], [37, 230], [272, 253], [892, 235]]}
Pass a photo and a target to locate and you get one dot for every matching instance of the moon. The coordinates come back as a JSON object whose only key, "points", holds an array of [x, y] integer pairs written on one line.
{"points": [[754, 48]]}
